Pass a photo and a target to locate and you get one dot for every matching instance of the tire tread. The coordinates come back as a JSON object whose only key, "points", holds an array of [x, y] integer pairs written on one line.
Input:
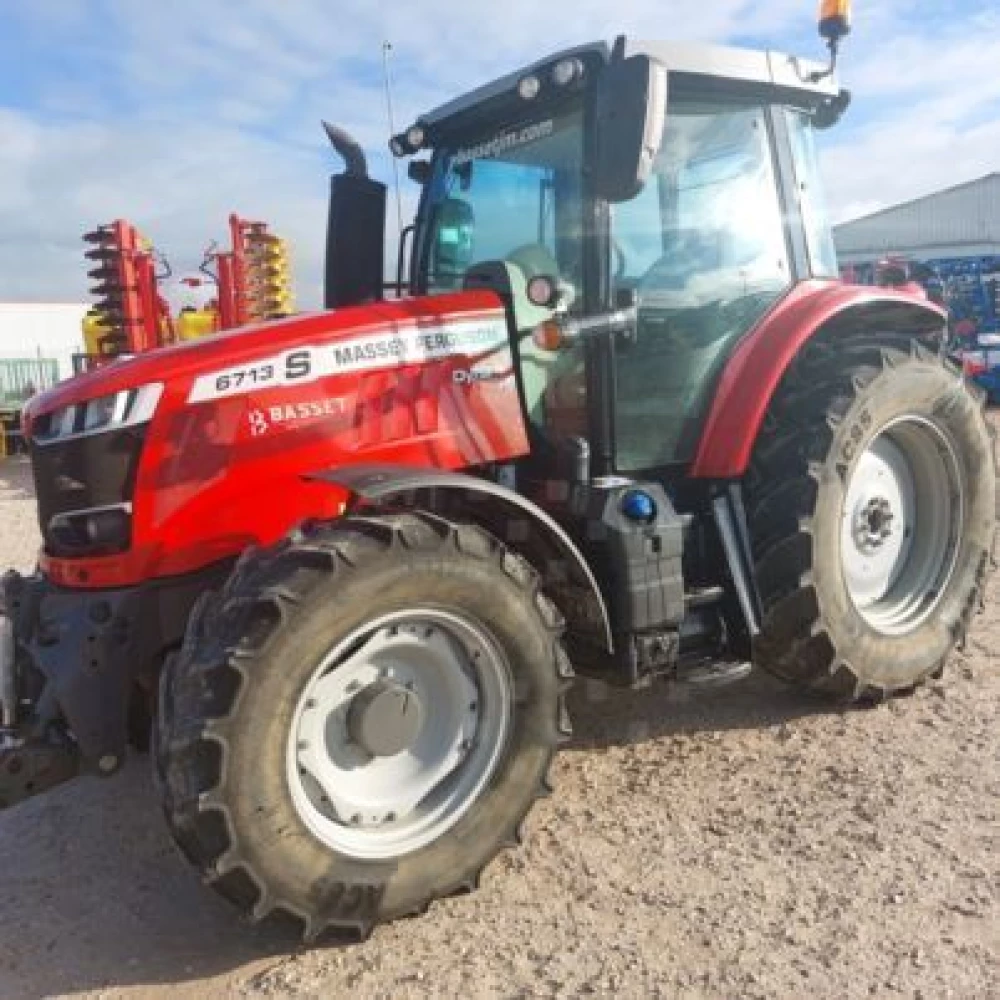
{"points": [[230, 631]]}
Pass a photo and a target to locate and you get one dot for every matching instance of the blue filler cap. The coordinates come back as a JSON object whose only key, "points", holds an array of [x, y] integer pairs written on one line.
{"points": [[638, 505]]}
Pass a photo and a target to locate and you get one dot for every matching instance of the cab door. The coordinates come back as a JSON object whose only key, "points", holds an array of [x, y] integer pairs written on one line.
{"points": [[704, 248]]}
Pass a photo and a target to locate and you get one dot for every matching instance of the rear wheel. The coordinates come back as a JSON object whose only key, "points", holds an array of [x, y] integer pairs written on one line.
{"points": [[361, 720], [872, 511]]}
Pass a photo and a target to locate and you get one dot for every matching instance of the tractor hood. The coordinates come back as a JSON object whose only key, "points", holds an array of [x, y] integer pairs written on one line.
{"points": [[186, 363], [192, 453]]}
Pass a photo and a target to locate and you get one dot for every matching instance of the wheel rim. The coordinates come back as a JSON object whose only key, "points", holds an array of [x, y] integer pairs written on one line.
{"points": [[398, 731], [901, 525]]}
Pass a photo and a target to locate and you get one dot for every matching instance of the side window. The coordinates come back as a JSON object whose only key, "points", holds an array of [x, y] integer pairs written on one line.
{"points": [[812, 203], [722, 234]]}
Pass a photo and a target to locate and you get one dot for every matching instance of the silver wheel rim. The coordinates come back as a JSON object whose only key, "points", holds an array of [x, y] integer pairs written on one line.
{"points": [[901, 525], [378, 793]]}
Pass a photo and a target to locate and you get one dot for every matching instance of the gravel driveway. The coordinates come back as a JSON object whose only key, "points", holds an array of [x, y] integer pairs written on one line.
{"points": [[736, 843]]}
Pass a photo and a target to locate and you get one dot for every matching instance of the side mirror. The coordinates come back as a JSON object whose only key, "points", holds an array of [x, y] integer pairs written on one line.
{"points": [[631, 109], [419, 171]]}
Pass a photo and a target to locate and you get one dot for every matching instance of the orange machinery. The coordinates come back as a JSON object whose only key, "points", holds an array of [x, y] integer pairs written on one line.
{"points": [[128, 315]]}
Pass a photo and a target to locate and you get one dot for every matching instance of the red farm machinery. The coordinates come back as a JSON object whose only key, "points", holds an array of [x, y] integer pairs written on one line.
{"points": [[130, 315]]}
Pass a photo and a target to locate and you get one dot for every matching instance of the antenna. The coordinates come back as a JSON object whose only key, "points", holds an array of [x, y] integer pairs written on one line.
{"points": [[386, 49]]}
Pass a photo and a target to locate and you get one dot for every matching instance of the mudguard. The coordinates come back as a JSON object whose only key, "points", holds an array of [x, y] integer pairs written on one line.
{"points": [[380, 482], [755, 368]]}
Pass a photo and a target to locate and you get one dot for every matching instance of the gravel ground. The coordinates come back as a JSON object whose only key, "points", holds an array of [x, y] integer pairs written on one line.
{"points": [[730, 844]]}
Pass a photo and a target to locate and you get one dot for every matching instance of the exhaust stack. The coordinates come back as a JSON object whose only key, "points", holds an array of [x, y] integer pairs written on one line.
{"points": [[355, 233], [348, 149]]}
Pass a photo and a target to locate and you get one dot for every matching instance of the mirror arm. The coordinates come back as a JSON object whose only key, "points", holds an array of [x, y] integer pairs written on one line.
{"points": [[618, 321]]}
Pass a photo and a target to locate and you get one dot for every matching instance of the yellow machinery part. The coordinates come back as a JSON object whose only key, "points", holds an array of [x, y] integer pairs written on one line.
{"points": [[95, 330], [193, 324]]}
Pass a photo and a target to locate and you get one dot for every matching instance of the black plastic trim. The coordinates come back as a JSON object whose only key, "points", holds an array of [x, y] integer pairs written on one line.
{"points": [[378, 482]]}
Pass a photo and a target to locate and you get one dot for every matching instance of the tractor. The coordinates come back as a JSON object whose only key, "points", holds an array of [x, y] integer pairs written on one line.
{"points": [[620, 419]]}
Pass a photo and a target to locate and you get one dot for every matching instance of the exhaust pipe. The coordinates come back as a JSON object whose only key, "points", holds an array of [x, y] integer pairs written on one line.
{"points": [[355, 231], [353, 155]]}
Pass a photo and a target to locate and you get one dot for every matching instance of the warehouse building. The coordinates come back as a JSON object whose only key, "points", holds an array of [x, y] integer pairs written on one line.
{"points": [[50, 331], [954, 233], [962, 221]]}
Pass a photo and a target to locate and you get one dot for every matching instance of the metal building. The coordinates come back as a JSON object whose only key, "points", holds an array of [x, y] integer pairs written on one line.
{"points": [[962, 221], [948, 241], [42, 330]]}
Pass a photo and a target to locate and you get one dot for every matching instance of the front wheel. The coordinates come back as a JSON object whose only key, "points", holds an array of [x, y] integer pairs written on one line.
{"points": [[872, 512], [361, 720]]}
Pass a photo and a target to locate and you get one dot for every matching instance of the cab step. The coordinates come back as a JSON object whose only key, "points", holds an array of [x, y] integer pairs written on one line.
{"points": [[711, 673]]}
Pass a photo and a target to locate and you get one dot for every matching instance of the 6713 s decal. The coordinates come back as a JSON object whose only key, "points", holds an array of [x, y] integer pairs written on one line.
{"points": [[475, 339]]}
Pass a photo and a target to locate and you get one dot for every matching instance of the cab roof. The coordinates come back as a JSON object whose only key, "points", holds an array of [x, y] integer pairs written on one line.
{"points": [[788, 74]]}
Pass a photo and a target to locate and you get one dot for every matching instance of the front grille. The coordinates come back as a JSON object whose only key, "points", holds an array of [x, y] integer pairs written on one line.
{"points": [[81, 473]]}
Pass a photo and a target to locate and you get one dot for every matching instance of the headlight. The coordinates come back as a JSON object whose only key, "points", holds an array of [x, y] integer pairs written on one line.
{"points": [[100, 413], [91, 531], [96, 416]]}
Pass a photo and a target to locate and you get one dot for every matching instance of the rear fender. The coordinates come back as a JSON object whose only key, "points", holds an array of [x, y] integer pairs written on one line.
{"points": [[755, 369], [507, 515]]}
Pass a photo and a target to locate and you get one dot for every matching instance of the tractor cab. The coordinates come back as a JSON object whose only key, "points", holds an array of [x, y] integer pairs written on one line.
{"points": [[675, 185]]}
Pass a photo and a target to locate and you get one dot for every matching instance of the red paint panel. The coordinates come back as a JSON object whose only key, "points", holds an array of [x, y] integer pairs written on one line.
{"points": [[218, 474], [752, 374]]}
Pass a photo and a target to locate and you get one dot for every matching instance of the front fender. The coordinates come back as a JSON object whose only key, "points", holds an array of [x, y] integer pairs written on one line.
{"points": [[380, 482], [756, 367]]}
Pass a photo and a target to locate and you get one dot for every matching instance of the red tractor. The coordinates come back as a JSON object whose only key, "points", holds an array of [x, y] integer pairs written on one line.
{"points": [[625, 422]]}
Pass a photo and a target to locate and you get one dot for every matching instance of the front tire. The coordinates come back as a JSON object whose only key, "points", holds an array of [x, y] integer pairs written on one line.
{"points": [[361, 720], [872, 506]]}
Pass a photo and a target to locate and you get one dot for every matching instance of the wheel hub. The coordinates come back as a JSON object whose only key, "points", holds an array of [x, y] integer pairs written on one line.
{"points": [[902, 519], [873, 524], [398, 731], [385, 718]]}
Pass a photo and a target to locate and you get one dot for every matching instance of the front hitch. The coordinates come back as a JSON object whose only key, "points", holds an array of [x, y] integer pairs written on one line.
{"points": [[33, 757], [71, 662]]}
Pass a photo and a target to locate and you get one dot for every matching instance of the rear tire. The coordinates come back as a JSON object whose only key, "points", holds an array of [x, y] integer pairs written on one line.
{"points": [[872, 506], [310, 620]]}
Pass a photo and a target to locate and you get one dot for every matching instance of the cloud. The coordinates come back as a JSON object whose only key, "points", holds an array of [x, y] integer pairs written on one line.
{"points": [[173, 115], [202, 114], [929, 110]]}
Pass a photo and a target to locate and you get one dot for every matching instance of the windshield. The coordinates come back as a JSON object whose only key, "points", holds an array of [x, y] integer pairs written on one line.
{"points": [[512, 195]]}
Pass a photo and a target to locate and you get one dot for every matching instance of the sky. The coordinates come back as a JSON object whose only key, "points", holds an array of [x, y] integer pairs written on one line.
{"points": [[173, 114]]}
